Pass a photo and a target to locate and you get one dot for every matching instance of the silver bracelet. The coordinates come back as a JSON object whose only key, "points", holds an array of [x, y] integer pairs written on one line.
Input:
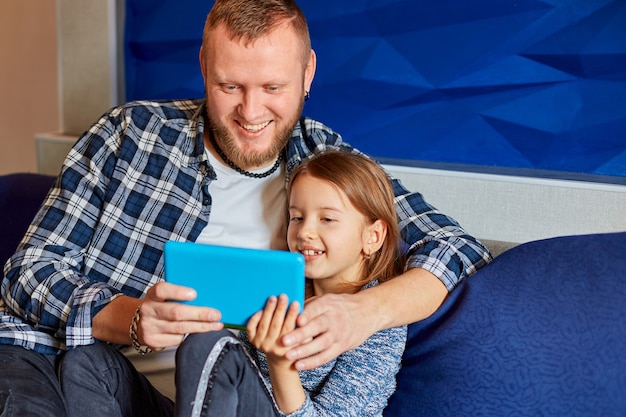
{"points": [[142, 350]]}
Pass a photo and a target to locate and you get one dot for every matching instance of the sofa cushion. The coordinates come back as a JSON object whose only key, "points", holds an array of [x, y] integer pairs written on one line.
{"points": [[541, 331], [21, 195]]}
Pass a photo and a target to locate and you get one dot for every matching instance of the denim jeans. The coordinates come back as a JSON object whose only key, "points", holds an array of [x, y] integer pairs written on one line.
{"points": [[215, 377], [29, 384], [98, 380]]}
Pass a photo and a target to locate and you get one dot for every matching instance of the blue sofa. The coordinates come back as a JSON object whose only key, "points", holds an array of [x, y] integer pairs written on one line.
{"points": [[21, 195], [541, 331]]}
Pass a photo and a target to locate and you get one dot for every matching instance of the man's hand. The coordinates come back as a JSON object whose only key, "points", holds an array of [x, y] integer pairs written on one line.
{"points": [[329, 325], [334, 323], [162, 323]]}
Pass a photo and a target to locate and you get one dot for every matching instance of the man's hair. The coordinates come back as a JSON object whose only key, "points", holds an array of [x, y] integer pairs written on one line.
{"points": [[369, 189], [248, 20]]}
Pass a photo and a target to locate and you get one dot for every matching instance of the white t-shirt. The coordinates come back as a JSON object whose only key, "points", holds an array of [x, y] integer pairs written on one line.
{"points": [[246, 212]]}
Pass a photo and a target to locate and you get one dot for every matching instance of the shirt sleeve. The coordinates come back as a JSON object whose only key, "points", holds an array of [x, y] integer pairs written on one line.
{"points": [[434, 241], [44, 285]]}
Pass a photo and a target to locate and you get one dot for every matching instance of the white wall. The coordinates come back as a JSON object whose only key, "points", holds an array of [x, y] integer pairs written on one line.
{"points": [[88, 61], [89, 74], [519, 209]]}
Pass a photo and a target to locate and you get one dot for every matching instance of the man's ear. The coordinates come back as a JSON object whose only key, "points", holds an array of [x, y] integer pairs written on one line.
{"points": [[202, 63], [375, 236], [309, 71]]}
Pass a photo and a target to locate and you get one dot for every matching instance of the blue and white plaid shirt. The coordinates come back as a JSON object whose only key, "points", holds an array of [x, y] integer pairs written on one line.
{"points": [[132, 182]]}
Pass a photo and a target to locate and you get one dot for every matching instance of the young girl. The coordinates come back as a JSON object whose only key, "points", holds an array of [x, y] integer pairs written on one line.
{"points": [[342, 219]]}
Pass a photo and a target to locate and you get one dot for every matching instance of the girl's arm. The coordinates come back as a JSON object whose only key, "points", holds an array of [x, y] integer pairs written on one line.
{"points": [[265, 330]]}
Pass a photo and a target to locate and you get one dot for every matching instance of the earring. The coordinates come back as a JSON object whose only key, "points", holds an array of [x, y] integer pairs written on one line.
{"points": [[307, 95], [367, 255]]}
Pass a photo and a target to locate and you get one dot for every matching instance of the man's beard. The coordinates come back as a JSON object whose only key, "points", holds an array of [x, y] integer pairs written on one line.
{"points": [[245, 159]]}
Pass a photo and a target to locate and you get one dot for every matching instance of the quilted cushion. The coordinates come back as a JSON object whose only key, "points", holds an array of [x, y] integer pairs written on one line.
{"points": [[541, 331]]}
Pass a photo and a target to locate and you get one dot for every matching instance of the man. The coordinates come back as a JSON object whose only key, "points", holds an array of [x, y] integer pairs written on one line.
{"points": [[210, 171]]}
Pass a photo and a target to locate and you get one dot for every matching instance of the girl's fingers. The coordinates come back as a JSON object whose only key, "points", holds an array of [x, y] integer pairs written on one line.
{"points": [[252, 325], [267, 326], [266, 317], [291, 317], [276, 325]]}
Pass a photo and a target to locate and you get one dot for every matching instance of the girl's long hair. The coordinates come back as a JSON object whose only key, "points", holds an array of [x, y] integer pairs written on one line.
{"points": [[369, 189]]}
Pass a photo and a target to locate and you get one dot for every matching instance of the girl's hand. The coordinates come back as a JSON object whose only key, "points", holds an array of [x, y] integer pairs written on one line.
{"points": [[266, 328], [265, 331]]}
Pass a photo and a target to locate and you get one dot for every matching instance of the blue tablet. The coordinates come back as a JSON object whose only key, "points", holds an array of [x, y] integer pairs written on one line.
{"points": [[236, 281]]}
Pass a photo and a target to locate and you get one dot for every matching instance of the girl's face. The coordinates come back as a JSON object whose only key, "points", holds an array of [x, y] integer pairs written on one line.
{"points": [[329, 231]]}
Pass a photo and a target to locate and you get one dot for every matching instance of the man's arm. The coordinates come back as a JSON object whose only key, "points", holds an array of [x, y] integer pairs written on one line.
{"points": [[340, 322], [97, 236]]}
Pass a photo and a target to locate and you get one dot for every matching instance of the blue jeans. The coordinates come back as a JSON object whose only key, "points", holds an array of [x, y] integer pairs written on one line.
{"points": [[216, 377], [29, 384], [98, 380]]}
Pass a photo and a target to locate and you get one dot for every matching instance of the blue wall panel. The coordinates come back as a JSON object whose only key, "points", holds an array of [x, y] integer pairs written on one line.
{"points": [[538, 84]]}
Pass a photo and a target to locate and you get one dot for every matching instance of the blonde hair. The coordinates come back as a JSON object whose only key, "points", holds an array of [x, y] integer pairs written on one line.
{"points": [[369, 190], [249, 20]]}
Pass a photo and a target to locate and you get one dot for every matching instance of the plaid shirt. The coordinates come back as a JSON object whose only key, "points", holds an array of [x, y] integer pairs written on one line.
{"points": [[134, 181]]}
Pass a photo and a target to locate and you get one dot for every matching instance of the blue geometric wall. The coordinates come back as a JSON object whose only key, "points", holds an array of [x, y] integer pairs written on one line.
{"points": [[537, 84]]}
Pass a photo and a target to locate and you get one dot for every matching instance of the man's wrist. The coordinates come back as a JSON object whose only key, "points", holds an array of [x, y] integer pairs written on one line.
{"points": [[372, 310], [132, 333]]}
